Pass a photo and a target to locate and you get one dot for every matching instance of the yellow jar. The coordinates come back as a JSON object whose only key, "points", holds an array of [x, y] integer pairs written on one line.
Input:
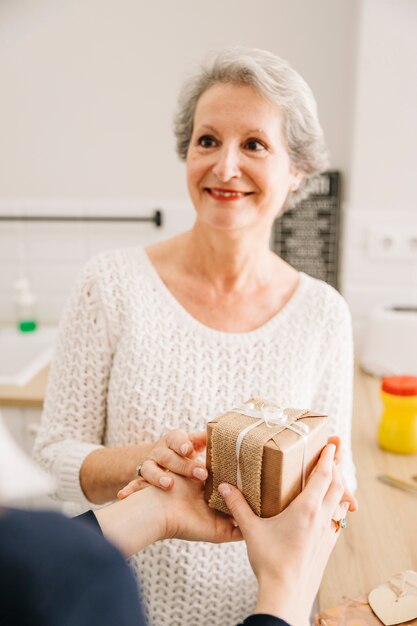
{"points": [[398, 427]]}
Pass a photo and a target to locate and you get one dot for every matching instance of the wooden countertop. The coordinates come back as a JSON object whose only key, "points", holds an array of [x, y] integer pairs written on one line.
{"points": [[381, 538], [29, 395]]}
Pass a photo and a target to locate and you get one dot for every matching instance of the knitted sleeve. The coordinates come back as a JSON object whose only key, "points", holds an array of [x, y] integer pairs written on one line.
{"points": [[335, 382], [73, 419]]}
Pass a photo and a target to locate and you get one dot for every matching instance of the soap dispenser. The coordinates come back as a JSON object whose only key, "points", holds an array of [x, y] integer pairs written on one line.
{"points": [[24, 301]]}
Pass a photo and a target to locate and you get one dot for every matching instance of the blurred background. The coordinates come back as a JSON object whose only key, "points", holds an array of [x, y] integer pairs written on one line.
{"points": [[89, 90]]}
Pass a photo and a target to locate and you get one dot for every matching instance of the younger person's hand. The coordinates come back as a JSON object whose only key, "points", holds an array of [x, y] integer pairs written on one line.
{"points": [[153, 514], [289, 552], [188, 516], [338, 458]]}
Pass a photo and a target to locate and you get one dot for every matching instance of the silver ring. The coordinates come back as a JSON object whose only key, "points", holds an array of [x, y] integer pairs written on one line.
{"points": [[138, 470]]}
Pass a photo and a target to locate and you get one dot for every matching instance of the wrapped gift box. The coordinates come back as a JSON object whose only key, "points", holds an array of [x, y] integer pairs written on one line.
{"points": [[266, 451]]}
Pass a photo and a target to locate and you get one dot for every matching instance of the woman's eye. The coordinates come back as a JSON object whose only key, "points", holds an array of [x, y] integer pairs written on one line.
{"points": [[207, 141], [254, 145]]}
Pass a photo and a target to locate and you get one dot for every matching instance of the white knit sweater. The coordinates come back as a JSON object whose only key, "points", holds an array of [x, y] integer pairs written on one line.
{"points": [[131, 363]]}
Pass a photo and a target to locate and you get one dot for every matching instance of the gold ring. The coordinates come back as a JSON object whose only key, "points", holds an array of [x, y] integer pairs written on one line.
{"points": [[339, 523]]}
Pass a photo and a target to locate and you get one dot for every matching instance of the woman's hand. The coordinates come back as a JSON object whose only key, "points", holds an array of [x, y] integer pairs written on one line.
{"points": [[175, 452], [289, 552], [188, 516], [347, 495], [153, 514]]}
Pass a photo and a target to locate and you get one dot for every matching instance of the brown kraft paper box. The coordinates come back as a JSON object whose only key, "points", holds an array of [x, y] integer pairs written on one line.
{"points": [[270, 459]]}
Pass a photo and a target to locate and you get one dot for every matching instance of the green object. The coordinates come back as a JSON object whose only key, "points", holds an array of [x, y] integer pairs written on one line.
{"points": [[27, 326]]}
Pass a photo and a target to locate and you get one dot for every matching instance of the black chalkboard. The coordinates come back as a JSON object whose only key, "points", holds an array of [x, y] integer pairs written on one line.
{"points": [[307, 236]]}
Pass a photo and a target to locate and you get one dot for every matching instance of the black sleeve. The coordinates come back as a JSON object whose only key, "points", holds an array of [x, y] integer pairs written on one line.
{"points": [[262, 619], [89, 518], [65, 570]]}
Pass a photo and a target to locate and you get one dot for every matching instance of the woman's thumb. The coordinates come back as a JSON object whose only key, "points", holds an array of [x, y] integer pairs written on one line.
{"points": [[199, 440], [237, 505]]}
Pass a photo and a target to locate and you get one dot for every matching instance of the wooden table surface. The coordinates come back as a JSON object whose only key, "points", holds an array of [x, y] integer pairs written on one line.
{"points": [[381, 538], [29, 395]]}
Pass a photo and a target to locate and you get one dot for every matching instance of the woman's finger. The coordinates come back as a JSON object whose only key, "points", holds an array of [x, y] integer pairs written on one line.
{"points": [[334, 493], [350, 498], [238, 507], [321, 477], [135, 485], [199, 440], [156, 475], [340, 511], [179, 441], [348, 495], [165, 458], [338, 443]]}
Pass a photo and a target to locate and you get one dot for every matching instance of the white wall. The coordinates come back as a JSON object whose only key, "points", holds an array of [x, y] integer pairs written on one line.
{"points": [[89, 87], [50, 254], [88, 94], [380, 251], [384, 155]]}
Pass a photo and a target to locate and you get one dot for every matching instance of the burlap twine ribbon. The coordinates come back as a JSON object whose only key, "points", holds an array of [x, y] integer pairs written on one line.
{"points": [[227, 466]]}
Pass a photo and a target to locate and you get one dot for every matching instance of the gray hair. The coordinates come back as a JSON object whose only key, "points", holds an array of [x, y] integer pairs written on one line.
{"points": [[274, 79]]}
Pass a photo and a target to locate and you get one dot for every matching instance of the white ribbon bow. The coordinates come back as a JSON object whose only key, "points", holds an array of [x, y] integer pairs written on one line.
{"points": [[269, 415]]}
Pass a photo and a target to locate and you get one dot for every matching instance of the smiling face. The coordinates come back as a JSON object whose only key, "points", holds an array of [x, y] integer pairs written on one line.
{"points": [[238, 169]]}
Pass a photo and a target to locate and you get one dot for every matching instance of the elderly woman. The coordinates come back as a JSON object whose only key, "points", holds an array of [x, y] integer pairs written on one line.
{"points": [[169, 336]]}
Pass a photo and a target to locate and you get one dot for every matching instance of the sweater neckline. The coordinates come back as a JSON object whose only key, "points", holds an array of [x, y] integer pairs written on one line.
{"points": [[191, 321]]}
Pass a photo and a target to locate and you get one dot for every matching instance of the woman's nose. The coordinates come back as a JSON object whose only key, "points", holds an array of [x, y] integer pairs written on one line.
{"points": [[227, 165]]}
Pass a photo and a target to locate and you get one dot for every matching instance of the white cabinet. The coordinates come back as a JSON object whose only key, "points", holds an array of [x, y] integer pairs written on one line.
{"points": [[23, 423]]}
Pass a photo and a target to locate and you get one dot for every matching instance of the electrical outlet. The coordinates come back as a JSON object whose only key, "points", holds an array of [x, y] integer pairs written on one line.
{"points": [[383, 244], [409, 246], [388, 243]]}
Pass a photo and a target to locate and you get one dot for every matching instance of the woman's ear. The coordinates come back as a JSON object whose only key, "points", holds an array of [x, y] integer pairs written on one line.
{"points": [[296, 181]]}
